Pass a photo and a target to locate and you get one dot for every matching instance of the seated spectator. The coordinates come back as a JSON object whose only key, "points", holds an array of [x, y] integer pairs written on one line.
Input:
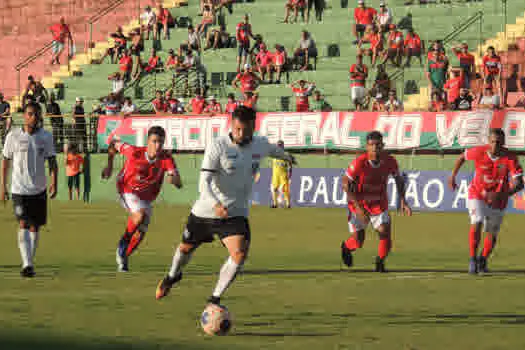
{"points": [[128, 108], [306, 50], [197, 104], [264, 61], [384, 18], [256, 48], [168, 97], [296, 6], [154, 62], [194, 41], [358, 75], [176, 106], [112, 106], [464, 101], [302, 89], [363, 16], [118, 48], [231, 105], [191, 61], [492, 69], [213, 106], [279, 61], [466, 62], [393, 104], [413, 47], [208, 17], [250, 99], [319, 103], [382, 82], [164, 19], [126, 64], [394, 51], [437, 70], [218, 38], [379, 103], [375, 39], [149, 22], [159, 104], [249, 81], [488, 100], [437, 104], [173, 62], [453, 85]]}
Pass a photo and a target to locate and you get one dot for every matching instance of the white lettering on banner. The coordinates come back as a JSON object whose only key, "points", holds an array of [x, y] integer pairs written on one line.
{"points": [[141, 126], [349, 141], [441, 193], [446, 134], [387, 125], [411, 190], [306, 185], [461, 194], [270, 127], [176, 131], [330, 130], [401, 131], [194, 124], [310, 125], [321, 190], [335, 189], [474, 129], [291, 131], [393, 192], [514, 121]]}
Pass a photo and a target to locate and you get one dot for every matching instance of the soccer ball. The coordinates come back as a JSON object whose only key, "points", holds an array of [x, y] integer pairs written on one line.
{"points": [[215, 320]]}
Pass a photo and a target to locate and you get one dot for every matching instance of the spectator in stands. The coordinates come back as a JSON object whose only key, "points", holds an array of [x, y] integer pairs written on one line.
{"points": [[437, 69], [384, 18], [164, 19], [413, 47], [294, 6], [381, 83], [5, 118], [279, 61], [492, 69], [208, 17], [463, 102], [213, 106], [218, 38], [358, 75], [466, 62], [306, 50], [154, 62], [79, 124], [176, 106], [375, 39], [256, 48], [231, 104], [159, 104], [319, 6], [61, 33], [137, 46], [489, 100], [393, 104], [453, 85], [437, 104], [57, 122], [264, 61], [197, 104], [149, 22], [319, 103], [513, 83], [128, 108], [249, 81], [243, 33], [194, 41], [172, 62], [378, 102], [118, 48], [34, 91], [74, 163], [363, 16], [250, 99], [302, 89], [394, 51], [112, 106], [126, 65]]}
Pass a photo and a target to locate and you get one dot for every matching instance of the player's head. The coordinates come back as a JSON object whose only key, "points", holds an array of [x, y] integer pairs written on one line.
{"points": [[496, 140], [72, 148], [243, 125], [280, 144], [156, 137], [32, 115], [374, 144]]}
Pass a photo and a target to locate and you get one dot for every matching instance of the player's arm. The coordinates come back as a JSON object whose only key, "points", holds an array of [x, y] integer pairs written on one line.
{"points": [[457, 166], [113, 148], [173, 175], [6, 163], [209, 171], [516, 172], [350, 188], [50, 155]]}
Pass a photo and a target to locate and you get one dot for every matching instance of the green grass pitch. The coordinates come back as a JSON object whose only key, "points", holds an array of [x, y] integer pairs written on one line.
{"points": [[293, 294]]}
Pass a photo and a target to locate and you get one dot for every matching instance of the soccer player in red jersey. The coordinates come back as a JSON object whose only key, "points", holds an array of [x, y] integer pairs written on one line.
{"points": [[498, 177], [365, 183], [139, 183], [302, 90]]}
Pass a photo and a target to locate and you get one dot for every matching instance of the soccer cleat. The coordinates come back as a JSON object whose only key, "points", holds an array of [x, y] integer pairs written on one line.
{"points": [[165, 285], [482, 265], [472, 266], [380, 265], [122, 260], [28, 272], [273, 206], [346, 255], [214, 300]]}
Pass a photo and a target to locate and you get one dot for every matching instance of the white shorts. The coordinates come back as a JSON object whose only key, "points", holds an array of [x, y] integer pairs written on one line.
{"points": [[358, 93], [480, 212], [354, 224], [133, 204]]}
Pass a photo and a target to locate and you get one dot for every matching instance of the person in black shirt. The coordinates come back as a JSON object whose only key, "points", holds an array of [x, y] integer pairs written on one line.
{"points": [[463, 102], [5, 117], [79, 122], [57, 122]]}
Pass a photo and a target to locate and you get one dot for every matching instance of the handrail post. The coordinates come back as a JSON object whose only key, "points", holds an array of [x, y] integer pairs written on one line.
{"points": [[480, 34], [91, 40], [504, 3], [18, 87]]}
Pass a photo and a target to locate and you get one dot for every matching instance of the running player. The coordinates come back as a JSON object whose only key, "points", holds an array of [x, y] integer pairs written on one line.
{"points": [[498, 177], [139, 183], [28, 148], [281, 175], [225, 185], [365, 182]]}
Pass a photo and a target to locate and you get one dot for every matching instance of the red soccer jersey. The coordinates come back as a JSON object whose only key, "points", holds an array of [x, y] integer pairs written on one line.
{"points": [[491, 65], [213, 108], [372, 182], [141, 176], [59, 32], [364, 15], [492, 174], [248, 82], [358, 75], [230, 107], [264, 58], [301, 99], [279, 58], [160, 105], [243, 33], [465, 59], [395, 40], [413, 41], [126, 64], [197, 105], [453, 85]]}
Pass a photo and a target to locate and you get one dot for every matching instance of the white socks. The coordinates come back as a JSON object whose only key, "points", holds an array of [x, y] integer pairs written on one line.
{"points": [[24, 243], [180, 260], [35, 236], [226, 276]]}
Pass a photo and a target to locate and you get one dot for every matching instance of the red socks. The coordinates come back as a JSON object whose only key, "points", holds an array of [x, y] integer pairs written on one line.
{"points": [[490, 242], [352, 243], [131, 227], [474, 238], [384, 247], [135, 242]]}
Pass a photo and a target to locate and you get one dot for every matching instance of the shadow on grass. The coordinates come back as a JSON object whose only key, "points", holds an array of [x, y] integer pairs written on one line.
{"points": [[461, 318], [283, 334]]}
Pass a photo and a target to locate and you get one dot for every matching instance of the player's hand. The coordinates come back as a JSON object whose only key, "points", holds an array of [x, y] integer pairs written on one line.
{"points": [[106, 173], [452, 183], [52, 191], [221, 211]]}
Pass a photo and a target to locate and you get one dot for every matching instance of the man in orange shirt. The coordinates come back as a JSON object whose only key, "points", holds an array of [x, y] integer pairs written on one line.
{"points": [[395, 46], [74, 163], [413, 47], [60, 32], [126, 65], [363, 16], [453, 86]]}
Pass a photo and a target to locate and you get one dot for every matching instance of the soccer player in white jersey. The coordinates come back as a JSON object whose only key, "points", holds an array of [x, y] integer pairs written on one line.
{"points": [[225, 186], [28, 148]]}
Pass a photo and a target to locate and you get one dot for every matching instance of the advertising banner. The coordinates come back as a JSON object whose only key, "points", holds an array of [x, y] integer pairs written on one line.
{"points": [[328, 130], [425, 190]]}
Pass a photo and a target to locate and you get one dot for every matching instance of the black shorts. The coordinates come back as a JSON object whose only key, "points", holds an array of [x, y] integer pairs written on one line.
{"points": [[31, 208], [202, 230], [360, 28], [73, 181], [243, 49]]}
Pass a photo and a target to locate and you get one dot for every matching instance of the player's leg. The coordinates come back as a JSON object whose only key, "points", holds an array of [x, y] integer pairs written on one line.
{"points": [[77, 186], [381, 224], [286, 193], [140, 232], [355, 241], [491, 227], [477, 210], [274, 189], [70, 187]]}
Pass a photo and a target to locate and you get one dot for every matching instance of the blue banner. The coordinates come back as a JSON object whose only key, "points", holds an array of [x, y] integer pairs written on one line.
{"points": [[425, 190]]}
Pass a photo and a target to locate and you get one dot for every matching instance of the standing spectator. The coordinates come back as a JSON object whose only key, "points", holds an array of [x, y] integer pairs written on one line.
{"points": [[358, 75], [437, 70], [375, 39], [384, 18], [231, 105], [159, 104], [248, 80], [302, 89], [492, 69], [137, 46], [279, 61], [413, 47], [112, 106], [79, 124], [393, 104], [126, 65], [61, 33], [363, 16], [250, 100], [513, 83], [453, 86], [243, 33], [319, 8], [464, 101], [194, 41], [381, 83], [5, 118], [466, 62], [264, 61], [163, 20], [57, 122], [149, 22], [74, 163], [213, 107], [296, 6], [437, 104], [307, 49], [154, 62], [197, 104], [394, 52], [128, 108], [488, 100], [319, 103], [35, 91]]}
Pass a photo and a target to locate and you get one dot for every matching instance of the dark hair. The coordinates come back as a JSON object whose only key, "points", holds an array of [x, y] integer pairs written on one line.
{"points": [[231, 95], [36, 107], [157, 130], [374, 136], [72, 148], [497, 132], [244, 114], [491, 48]]}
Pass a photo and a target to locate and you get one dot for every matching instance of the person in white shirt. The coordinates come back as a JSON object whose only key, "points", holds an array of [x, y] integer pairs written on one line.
{"points": [[488, 100], [227, 174], [128, 108], [28, 148], [393, 104], [384, 17], [148, 20]]}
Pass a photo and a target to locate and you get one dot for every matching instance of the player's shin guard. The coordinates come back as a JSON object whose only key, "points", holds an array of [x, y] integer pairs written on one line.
{"points": [[226, 276], [489, 244], [24, 243], [385, 244], [35, 236], [474, 238], [134, 242]]}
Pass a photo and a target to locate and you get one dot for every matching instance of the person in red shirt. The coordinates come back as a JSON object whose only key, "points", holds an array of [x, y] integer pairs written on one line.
{"points": [[296, 6], [437, 102], [365, 183], [197, 104], [498, 176], [264, 60], [302, 89], [213, 107], [413, 47], [60, 32], [363, 16], [159, 104], [243, 33], [154, 62], [248, 80], [279, 61], [358, 75], [492, 69], [467, 63], [375, 39], [250, 100], [126, 65], [395, 43], [163, 19], [139, 183], [231, 105], [453, 86], [173, 61]]}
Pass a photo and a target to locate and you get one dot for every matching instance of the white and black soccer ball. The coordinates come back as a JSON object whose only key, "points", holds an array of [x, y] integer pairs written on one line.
{"points": [[216, 320]]}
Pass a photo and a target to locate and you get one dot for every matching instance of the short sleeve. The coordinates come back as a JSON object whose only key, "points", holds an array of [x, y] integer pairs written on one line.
{"points": [[354, 170], [211, 161], [49, 149], [8, 147], [472, 153], [515, 167], [125, 149], [169, 166]]}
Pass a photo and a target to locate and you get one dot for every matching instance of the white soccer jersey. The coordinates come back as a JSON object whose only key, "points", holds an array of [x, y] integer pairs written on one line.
{"points": [[227, 174], [28, 154]]}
